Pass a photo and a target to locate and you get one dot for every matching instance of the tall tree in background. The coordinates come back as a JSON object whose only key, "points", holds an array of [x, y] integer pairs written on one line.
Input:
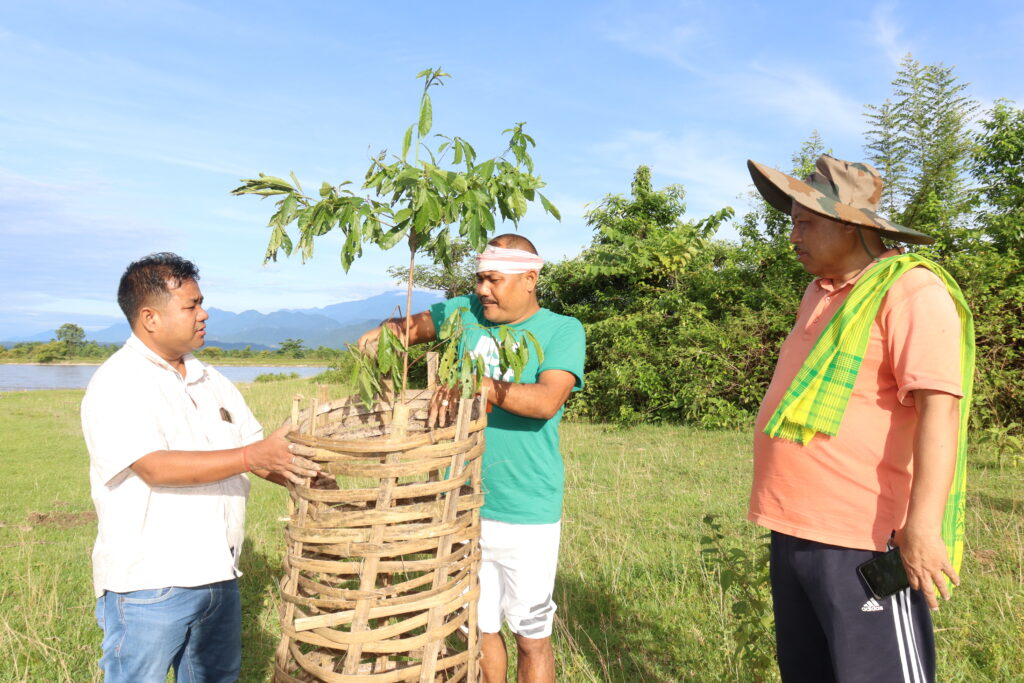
{"points": [[72, 336], [454, 278], [921, 144], [641, 244], [998, 169]]}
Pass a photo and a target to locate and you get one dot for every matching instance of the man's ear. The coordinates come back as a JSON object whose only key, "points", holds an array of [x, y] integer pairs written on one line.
{"points": [[530, 280], [149, 319]]}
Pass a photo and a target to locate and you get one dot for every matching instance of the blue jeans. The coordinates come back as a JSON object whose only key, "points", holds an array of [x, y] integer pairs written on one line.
{"points": [[197, 631]]}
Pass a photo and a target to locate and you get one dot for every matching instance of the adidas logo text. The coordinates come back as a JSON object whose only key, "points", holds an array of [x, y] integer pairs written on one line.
{"points": [[871, 606]]}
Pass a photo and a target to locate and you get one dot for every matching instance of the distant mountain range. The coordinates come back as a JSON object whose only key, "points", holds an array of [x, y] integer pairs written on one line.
{"points": [[332, 326]]}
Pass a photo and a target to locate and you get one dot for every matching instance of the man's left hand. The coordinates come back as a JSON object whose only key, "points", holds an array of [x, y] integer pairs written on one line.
{"points": [[927, 564], [443, 405]]}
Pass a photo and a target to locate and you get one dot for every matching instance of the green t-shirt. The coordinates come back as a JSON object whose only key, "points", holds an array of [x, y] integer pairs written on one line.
{"points": [[523, 477]]}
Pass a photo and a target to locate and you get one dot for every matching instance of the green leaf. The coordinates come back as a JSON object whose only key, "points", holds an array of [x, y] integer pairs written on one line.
{"points": [[392, 237], [458, 151], [518, 204], [406, 142], [549, 207], [537, 350], [350, 250], [470, 153], [385, 349], [523, 357], [275, 183], [485, 170], [466, 376], [288, 205], [295, 180], [452, 323], [426, 115], [440, 180], [402, 216], [446, 367]]}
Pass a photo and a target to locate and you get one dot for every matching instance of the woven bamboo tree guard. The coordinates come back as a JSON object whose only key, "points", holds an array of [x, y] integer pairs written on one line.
{"points": [[382, 574]]}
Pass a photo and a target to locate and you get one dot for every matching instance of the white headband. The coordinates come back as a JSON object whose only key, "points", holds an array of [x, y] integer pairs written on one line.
{"points": [[511, 261]]}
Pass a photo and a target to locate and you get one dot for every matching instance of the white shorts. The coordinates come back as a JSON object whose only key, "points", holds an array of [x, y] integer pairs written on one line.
{"points": [[517, 577]]}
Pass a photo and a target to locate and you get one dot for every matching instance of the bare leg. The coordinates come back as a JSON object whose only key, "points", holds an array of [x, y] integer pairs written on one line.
{"points": [[494, 662], [536, 660]]}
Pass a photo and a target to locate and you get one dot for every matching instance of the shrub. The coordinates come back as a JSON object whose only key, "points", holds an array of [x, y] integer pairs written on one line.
{"points": [[275, 377]]}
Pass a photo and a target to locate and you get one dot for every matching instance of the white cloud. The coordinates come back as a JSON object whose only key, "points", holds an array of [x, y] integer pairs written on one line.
{"points": [[886, 33], [711, 167], [658, 30], [800, 96]]}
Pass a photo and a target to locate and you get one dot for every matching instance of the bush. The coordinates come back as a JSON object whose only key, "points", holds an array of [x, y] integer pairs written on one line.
{"points": [[275, 377], [993, 285]]}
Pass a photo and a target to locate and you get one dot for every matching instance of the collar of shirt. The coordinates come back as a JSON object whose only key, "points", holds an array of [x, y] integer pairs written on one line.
{"points": [[194, 368], [828, 285]]}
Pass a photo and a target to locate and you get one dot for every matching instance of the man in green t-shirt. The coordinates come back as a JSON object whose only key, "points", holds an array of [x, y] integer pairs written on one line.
{"points": [[523, 475]]}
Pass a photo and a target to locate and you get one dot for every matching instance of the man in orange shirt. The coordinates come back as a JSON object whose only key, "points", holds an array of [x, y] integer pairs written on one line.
{"points": [[835, 501]]}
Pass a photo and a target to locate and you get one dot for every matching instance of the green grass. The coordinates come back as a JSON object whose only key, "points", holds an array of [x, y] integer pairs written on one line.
{"points": [[636, 601]]}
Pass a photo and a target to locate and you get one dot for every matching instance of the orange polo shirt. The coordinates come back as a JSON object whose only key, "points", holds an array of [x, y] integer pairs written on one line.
{"points": [[852, 489]]}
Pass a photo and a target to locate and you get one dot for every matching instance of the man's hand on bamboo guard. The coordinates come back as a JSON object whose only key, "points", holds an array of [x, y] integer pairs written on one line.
{"points": [[443, 405]]}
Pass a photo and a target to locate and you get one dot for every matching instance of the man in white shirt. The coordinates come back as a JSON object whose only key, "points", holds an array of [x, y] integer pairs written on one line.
{"points": [[169, 441]]}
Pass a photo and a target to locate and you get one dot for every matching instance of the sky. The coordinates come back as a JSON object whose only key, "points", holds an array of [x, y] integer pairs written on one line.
{"points": [[125, 125]]}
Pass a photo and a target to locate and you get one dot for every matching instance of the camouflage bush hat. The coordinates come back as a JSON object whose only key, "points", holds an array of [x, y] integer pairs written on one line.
{"points": [[840, 190]]}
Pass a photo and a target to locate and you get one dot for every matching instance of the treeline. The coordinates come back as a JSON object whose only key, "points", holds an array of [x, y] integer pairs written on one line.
{"points": [[289, 348], [683, 326], [55, 351], [70, 344]]}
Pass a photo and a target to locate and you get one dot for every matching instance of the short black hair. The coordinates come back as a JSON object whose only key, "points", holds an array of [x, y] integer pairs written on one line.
{"points": [[511, 240], [150, 278]]}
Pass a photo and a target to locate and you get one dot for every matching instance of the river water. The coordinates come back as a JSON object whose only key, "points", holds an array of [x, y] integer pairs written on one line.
{"points": [[18, 377]]}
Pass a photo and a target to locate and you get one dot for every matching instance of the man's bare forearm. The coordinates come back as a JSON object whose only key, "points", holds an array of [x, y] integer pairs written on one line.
{"points": [[541, 400], [271, 455], [188, 468], [935, 450]]}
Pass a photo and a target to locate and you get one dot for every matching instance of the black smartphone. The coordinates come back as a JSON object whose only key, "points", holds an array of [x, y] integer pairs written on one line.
{"points": [[884, 574]]}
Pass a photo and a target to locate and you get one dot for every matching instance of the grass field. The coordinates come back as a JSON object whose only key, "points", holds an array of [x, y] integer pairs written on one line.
{"points": [[636, 600]]}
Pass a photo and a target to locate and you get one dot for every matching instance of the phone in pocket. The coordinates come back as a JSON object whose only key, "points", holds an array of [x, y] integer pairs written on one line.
{"points": [[884, 574]]}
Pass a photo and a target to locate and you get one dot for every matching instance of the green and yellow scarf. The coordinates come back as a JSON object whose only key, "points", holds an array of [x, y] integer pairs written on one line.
{"points": [[816, 399]]}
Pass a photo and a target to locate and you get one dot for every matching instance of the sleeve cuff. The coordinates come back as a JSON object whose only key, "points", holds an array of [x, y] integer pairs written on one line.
{"points": [[905, 393]]}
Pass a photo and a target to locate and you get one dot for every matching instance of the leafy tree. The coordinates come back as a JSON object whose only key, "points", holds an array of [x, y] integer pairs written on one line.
{"points": [[457, 278], [998, 168], [212, 352], [72, 336], [919, 140], [658, 347], [292, 348], [421, 201], [47, 353]]}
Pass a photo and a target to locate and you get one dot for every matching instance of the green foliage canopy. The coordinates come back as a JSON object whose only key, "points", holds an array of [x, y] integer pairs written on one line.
{"points": [[419, 201]]}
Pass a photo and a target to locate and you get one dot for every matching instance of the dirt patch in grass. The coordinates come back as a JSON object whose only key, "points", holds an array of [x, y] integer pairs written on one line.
{"points": [[60, 519], [986, 559]]}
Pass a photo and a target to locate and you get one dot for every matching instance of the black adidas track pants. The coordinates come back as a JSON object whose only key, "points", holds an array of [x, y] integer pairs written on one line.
{"points": [[828, 627]]}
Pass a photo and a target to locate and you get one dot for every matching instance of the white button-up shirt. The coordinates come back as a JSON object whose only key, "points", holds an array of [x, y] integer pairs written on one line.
{"points": [[159, 536]]}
